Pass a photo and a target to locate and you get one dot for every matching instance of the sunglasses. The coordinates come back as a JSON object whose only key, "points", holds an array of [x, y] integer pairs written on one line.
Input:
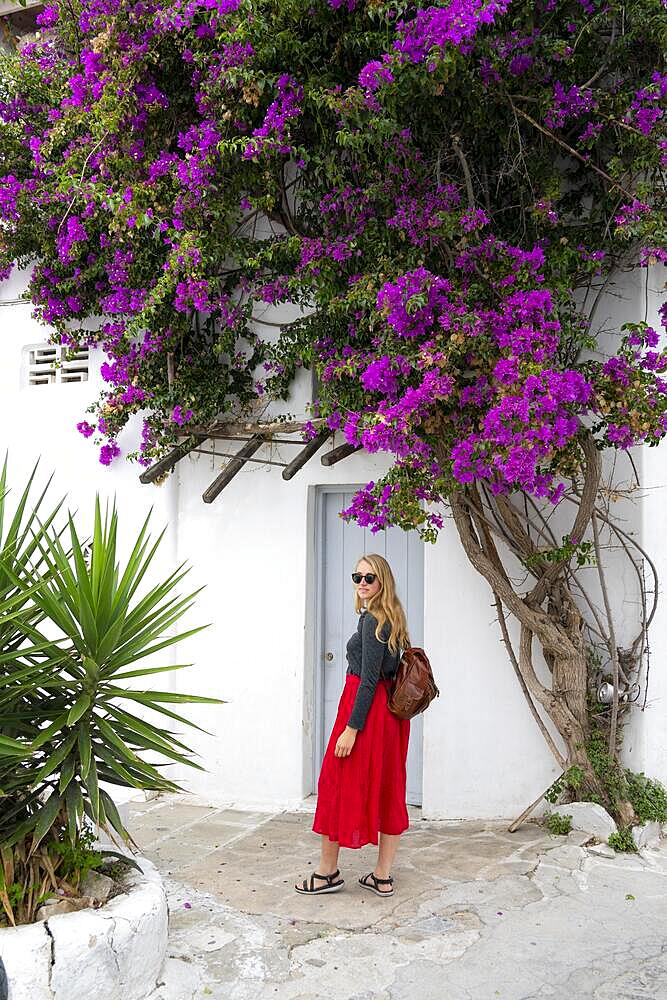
{"points": [[368, 577]]}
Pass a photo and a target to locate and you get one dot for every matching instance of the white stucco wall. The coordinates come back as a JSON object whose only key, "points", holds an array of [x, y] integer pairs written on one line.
{"points": [[486, 754], [39, 422], [253, 550], [646, 733], [649, 731]]}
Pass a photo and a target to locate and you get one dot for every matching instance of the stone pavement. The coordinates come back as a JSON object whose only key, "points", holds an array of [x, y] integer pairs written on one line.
{"points": [[477, 914]]}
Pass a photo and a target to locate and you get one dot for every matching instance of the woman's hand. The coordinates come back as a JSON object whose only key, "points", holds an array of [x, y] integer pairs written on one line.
{"points": [[345, 742]]}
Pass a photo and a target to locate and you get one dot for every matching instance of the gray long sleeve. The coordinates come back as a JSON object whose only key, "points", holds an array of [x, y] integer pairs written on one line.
{"points": [[373, 653]]}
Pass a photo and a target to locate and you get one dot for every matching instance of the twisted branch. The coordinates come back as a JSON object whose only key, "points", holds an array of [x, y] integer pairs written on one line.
{"points": [[571, 151], [560, 759]]}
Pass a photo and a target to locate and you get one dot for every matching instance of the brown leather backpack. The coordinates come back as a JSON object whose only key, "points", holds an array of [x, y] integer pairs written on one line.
{"points": [[413, 687]]}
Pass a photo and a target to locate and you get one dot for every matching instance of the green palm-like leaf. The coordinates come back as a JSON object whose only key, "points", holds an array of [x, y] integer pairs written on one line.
{"points": [[45, 818], [62, 727]]}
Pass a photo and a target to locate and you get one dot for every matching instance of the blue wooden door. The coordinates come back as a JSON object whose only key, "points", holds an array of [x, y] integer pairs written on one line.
{"points": [[341, 544]]}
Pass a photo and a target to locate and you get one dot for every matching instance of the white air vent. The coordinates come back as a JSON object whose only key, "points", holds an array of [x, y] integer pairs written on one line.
{"points": [[48, 364], [74, 368]]}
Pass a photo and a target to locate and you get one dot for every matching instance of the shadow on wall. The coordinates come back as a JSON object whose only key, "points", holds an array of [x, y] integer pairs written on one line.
{"points": [[3, 982]]}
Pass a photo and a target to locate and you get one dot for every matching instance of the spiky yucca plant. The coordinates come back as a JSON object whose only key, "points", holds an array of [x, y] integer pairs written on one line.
{"points": [[75, 627]]}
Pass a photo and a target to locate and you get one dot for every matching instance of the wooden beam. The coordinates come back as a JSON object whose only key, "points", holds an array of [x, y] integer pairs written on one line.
{"points": [[231, 469], [236, 427], [9, 7], [342, 451], [306, 452], [227, 454], [166, 464], [217, 436]]}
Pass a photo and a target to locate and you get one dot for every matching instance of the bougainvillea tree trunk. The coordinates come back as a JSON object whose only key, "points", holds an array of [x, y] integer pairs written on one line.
{"points": [[548, 615]]}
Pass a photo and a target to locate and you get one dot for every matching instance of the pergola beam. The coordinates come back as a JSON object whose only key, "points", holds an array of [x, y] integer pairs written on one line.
{"points": [[339, 453], [306, 452], [237, 427], [260, 434], [166, 464], [232, 468], [9, 7]]}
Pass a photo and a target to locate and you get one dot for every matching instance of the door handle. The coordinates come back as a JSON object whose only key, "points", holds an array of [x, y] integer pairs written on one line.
{"points": [[328, 656]]}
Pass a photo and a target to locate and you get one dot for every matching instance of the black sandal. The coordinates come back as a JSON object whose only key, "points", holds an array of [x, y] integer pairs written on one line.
{"points": [[378, 881], [329, 887]]}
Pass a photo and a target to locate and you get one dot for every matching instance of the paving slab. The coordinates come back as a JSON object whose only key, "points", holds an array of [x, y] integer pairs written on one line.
{"points": [[477, 913]]}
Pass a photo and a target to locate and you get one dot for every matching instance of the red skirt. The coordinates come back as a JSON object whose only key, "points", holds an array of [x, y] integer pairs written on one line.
{"points": [[363, 794]]}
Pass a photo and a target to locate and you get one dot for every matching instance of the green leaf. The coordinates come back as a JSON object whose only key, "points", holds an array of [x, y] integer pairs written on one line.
{"points": [[9, 747], [121, 857], [129, 775], [85, 749], [53, 691], [93, 789], [113, 740], [143, 671], [46, 818], [141, 728], [46, 734], [113, 814], [74, 807], [172, 715], [79, 708], [67, 772], [147, 697], [54, 761]]}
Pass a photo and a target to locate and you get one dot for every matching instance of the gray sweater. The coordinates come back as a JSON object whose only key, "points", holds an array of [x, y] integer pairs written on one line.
{"points": [[368, 658]]}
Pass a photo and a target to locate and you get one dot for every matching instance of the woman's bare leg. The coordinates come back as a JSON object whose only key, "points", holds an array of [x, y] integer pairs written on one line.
{"points": [[386, 853], [328, 856], [327, 864]]}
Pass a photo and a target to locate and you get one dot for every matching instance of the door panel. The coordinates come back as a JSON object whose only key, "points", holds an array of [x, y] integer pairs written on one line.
{"points": [[341, 546]]}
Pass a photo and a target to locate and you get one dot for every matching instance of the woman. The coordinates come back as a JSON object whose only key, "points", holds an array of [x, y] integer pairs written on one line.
{"points": [[361, 788]]}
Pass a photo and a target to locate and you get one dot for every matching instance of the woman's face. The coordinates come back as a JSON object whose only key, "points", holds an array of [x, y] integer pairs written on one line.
{"points": [[366, 590]]}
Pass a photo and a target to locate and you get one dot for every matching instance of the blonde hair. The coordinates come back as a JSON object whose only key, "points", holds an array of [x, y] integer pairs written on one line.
{"points": [[385, 605]]}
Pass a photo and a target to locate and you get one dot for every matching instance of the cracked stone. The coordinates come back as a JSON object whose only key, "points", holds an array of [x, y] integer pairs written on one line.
{"points": [[421, 929], [180, 980], [579, 838], [111, 953], [589, 817], [602, 850], [647, 835], [98, 886], [478, 914], [85, 963], [646, 981], [209, 939], [368, 962], [69, 905], [566, 856], [28, 964], [425, 980]]}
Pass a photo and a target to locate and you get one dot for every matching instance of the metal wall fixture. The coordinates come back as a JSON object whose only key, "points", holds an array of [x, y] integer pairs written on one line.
{"points": [[625, 694]]}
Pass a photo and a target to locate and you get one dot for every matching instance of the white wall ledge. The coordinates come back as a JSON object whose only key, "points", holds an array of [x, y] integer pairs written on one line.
{"points": [[114, 953]]}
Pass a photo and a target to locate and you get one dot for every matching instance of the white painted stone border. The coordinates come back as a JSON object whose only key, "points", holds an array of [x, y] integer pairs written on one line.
{"points": [[113, 953]]}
